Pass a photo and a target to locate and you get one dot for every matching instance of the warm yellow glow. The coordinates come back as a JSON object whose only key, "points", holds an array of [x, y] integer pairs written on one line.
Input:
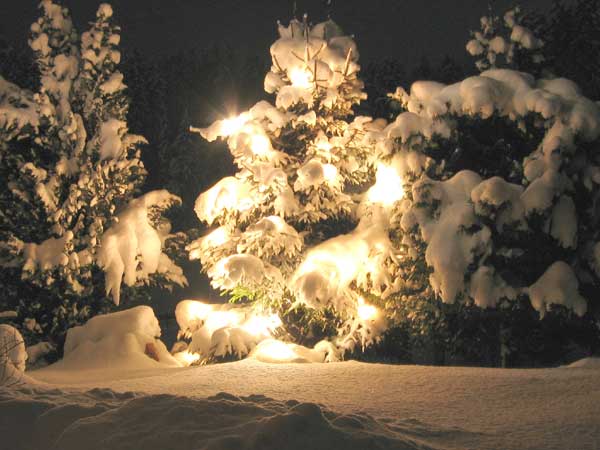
{"points": [[262, 326], [233, 124], [198, 310], [388, 186], [187, 358], [278, 223], [300, 78], [221, 319], [228, 194], [276, 351], [365, 311], [260, 144], [330, 172]]}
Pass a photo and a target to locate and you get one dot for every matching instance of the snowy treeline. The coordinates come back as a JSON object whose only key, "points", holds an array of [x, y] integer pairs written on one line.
{"points": [[434, 219], [472, 193]]}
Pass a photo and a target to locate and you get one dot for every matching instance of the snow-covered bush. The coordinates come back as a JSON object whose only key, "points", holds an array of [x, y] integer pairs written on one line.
{"points": [[218, 330], [70, 229], [279, 239], [221, 331]]}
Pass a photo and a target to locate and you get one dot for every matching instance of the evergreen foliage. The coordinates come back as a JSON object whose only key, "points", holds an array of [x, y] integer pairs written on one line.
{"points": [[529, 158], [298, 164], [69, 171]]}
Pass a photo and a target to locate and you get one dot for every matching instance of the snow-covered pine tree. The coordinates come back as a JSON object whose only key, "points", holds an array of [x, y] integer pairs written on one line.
{"points": [[70, 228], [280, 239], [500, 211]]}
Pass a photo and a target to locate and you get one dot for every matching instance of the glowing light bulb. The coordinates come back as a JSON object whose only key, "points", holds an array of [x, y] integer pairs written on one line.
{"points": [[260, 144], [388, 186], [366, 311], [300, 78], [233, 124]]}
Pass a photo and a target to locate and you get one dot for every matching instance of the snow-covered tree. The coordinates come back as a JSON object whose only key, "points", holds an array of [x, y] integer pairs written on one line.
{"points": [[71, 230], [501, 195], [279, 239]]}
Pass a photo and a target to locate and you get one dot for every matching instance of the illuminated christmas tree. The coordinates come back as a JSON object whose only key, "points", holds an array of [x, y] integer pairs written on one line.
{"points": [[284, 238]]}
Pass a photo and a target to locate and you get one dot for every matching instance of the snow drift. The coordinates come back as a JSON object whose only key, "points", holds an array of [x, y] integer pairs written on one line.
{"points": [[101, 419], [364, 406]]}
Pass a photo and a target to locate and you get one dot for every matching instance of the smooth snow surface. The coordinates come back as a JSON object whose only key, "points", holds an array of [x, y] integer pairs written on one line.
{"points": [[375, 406]]}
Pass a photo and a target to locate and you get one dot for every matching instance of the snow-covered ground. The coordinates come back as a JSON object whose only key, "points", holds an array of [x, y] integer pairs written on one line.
{"points": [[347, 405]]}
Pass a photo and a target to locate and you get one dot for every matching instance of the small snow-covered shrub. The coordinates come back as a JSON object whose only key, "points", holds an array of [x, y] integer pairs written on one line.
{"points": [[275, 351], [71, 231], [224, 331], [221, 330]]}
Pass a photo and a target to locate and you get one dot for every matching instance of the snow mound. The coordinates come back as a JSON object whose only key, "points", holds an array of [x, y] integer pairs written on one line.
{"points": [[12, 355], [101, 418], [125, 339], [592, 362]]}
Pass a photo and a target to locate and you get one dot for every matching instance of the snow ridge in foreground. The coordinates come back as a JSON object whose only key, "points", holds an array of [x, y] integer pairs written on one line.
{"points": [[103, 419]]}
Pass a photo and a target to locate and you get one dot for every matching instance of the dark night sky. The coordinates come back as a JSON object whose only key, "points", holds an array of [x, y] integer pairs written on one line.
{"points": [[406, 29]]}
